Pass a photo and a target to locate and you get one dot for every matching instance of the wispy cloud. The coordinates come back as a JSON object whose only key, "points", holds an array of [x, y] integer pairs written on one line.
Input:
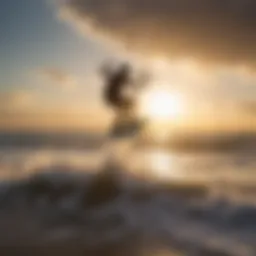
{"points": [[249, 107], [59, 77], [15, 101], [21, 109]]}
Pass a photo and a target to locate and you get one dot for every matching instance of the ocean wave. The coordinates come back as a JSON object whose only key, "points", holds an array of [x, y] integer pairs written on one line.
{"points": [[69, 210]]}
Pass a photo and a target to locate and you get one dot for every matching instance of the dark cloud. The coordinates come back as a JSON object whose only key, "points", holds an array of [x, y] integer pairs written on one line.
{"points": [[220, 31]]}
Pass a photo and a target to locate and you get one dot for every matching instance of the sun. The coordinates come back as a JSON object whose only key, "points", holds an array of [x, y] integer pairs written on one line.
{"points": [[161, 105]]}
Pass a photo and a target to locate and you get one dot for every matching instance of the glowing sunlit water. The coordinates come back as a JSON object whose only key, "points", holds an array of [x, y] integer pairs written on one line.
{"points": [[157, 164], [154, 163], [19, 159]]}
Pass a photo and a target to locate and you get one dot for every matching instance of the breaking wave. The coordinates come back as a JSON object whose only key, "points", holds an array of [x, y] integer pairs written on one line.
{"points": [[66, 210]]}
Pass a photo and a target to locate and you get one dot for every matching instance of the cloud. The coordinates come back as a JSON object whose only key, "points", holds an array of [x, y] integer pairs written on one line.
{"points": [[249, 108], [15, 101], [59, 77], [21, 109], [16, 108], [212, 31]]}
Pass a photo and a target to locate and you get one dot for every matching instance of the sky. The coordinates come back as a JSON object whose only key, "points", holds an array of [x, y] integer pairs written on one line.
{"points": [[51, 52]]}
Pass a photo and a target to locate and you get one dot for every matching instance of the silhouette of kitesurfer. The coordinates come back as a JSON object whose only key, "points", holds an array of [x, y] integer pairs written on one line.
{"points": [[120, 93], [114, 91]]}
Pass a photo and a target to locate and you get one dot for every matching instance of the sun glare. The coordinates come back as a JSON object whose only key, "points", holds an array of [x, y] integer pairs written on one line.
{"points": [[161, 105]]}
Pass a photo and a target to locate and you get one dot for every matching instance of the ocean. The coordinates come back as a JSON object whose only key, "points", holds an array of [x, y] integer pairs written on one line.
{"points": [[156, 201]]}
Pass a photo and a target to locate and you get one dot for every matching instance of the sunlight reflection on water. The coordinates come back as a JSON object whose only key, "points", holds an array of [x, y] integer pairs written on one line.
{"points": [[149, 163], [158, 164]]}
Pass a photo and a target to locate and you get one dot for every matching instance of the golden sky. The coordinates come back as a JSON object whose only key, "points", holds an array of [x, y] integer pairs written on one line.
{"points": [[205, 50]]}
